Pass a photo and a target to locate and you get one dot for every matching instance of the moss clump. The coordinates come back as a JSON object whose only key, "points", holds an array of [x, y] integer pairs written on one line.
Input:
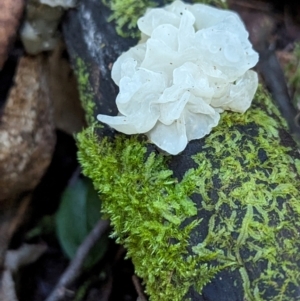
{"points": [[85, 90], [246, 188], [125, 14], [147, 207], [251, 195]]}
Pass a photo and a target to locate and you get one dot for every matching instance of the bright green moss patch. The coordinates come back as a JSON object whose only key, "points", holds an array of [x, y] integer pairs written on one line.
{"points": [[254, 219], [125, 14], [237, 210], [146, 206], [85, 90]]}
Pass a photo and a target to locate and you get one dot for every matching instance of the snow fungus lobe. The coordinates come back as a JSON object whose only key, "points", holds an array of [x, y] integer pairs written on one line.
{"points": [[191, 64]]}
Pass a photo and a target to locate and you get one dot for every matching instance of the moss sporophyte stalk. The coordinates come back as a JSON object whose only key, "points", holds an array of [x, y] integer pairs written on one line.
{"points": [[238, 210]]}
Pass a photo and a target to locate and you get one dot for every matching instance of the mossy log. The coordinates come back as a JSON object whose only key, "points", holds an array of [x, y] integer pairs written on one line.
{"points": [[220, 221]]}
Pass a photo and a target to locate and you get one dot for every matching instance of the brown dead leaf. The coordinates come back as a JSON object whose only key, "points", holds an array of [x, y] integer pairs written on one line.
{"points": [[27, 142], [26, 130], [10, 15], [68, 112]]}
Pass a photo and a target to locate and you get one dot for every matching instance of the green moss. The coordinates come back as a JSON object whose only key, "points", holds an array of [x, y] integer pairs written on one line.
{"points": [[248, 218], [254, 220], [125, 13], [85, 90]]}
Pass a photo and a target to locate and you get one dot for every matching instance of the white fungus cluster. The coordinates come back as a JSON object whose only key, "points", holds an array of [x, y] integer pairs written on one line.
{"points": [[191, 64]]}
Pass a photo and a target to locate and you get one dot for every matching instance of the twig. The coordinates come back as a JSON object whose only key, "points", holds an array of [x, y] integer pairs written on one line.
{"points": [[74, 269], [107, 288], [138, 288]]}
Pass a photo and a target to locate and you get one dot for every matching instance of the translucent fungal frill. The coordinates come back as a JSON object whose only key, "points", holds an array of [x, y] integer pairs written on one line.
{"points": [[191, 64]]}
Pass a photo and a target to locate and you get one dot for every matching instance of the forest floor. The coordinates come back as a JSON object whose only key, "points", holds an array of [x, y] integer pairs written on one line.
{"points": [[272, 24]]}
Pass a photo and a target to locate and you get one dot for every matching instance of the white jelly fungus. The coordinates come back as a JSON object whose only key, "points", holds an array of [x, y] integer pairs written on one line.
{"points": [[191, 64]]}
